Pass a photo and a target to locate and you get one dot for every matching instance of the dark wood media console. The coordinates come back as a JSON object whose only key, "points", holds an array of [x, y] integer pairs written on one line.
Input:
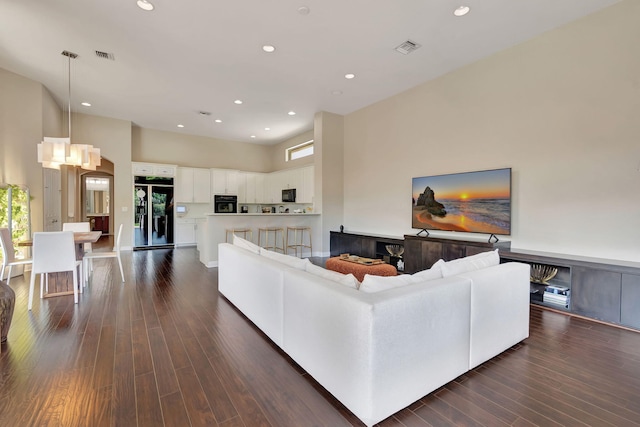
{"points": [[600, 289], [421, 253]]}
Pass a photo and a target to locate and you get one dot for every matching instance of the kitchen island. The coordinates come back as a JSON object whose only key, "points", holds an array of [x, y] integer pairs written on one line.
{"points": [[213, 230]]}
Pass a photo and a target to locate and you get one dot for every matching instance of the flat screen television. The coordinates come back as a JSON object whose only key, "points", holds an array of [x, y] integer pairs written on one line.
{"points": [[475, 202]]}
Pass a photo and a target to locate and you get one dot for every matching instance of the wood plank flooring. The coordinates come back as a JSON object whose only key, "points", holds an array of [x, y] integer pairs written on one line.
{"points": [[164, 349]]}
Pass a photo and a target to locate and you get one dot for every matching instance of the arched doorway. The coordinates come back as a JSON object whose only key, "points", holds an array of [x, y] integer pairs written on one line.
{"points": [[96, 197]]}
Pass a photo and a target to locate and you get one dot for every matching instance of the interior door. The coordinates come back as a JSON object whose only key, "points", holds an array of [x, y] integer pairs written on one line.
{"points": [[52, 199]]}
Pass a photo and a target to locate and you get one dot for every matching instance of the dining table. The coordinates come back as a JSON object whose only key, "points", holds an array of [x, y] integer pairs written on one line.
{"points": [[62, 283]]}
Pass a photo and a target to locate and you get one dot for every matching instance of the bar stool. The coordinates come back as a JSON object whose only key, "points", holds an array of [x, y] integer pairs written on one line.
{"points": [[272, 232], [247, 234], [299, 233]]}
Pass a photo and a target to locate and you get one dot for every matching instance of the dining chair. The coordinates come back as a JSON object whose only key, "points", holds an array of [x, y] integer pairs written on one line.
{"points": [[9, 254], [54, 252], [99, 254], [79, 227]]}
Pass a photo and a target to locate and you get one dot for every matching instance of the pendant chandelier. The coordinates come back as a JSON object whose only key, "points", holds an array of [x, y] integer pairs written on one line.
{"points": [[54, 152]]}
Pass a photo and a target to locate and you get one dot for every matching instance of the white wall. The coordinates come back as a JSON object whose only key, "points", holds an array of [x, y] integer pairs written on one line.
{"points": [[562, 110]]}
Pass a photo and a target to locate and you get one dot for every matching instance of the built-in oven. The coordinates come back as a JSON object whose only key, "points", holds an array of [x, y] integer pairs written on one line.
{"points": [[225, 204]]}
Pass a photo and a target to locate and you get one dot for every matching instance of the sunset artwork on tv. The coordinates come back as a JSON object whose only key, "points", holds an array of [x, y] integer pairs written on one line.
{"points": [[477, 202]]}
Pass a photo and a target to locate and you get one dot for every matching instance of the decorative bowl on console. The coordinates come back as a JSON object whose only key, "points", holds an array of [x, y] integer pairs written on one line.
{"points": [[542, 273], [395, 250]]}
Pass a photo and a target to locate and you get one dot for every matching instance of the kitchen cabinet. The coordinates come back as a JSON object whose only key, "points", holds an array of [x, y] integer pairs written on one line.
{"points": [[251, 187], [272, 188], [153, 169], [224, 181], [185, 232], [193, 185], [288, 179]]}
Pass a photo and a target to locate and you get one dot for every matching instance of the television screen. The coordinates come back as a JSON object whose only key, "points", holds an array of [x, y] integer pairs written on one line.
{"points": [[476, 202]]}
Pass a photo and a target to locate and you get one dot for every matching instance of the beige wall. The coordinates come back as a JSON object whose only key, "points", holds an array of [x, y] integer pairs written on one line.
{"points": [[195, 151], [562, 110], [113, 137], [329, 172], [21, 128], [278, 153]]}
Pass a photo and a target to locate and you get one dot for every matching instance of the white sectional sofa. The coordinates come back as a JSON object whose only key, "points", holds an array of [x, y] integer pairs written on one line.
{"points": [[378, 352]]}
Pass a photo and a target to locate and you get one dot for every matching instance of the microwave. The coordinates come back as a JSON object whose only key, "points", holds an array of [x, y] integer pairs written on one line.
{"points": [[289, 195], [225, 204]]}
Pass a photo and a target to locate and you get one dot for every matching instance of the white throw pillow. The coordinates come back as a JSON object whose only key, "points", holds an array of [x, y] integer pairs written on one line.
{"points": [[289, 260], [373, 283], [435, 272], [470, 263], [245, 244], [343, 279]]}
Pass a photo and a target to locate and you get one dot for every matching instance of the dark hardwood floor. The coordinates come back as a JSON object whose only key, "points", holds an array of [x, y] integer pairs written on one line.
{"points": [[165, 349]]}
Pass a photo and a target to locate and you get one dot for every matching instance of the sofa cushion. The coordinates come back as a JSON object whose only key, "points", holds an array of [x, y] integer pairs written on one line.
{"points": [[373, 283], [435, 272], [470, 263], [343, 279], [245, 244], [288, 260]]}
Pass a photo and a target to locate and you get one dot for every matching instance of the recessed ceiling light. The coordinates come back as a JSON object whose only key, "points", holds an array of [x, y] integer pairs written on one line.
{"points": [[237, 101], [144, 5], [267, 128], [218, 121], [461, 11], [291, 113], [349, 76], [304, 10], [336, 92], [268, 48], [86, 104], [180, 126], [253, 136]]}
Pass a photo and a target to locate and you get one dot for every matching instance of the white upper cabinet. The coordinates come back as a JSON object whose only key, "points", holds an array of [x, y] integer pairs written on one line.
{"points": [[153, 169], [224, 181], [301, 179], [193, 185], [251, 187]]}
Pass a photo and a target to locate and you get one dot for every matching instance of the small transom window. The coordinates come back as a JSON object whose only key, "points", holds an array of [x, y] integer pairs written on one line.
{"points": [[298, 151]]}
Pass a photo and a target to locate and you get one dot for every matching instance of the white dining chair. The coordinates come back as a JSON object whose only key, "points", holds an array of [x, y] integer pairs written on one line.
{"points": [[79, 227], [54, 252], [9, 254], [99, 254]]}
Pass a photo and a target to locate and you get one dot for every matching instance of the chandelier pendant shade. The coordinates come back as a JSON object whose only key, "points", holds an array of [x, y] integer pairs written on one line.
{"points": [[55, 152]]}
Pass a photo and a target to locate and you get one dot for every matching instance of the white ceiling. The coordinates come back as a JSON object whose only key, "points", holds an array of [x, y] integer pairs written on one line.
{"points": [[201, 55]]}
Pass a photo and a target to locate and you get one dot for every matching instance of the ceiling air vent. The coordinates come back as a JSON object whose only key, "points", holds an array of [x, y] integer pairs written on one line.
{"points": [[105, 55], [407, 47]]}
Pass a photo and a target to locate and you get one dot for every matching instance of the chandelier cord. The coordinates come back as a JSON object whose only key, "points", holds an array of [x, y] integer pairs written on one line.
{"points": [[69, 90]]}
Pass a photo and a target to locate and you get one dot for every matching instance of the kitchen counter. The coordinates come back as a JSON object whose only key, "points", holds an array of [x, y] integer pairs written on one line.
{"points": [[213, 230]]}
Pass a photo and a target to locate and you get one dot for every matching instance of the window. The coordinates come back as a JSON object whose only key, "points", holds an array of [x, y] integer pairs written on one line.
{"points": [[298, 151], [14, 212]]}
